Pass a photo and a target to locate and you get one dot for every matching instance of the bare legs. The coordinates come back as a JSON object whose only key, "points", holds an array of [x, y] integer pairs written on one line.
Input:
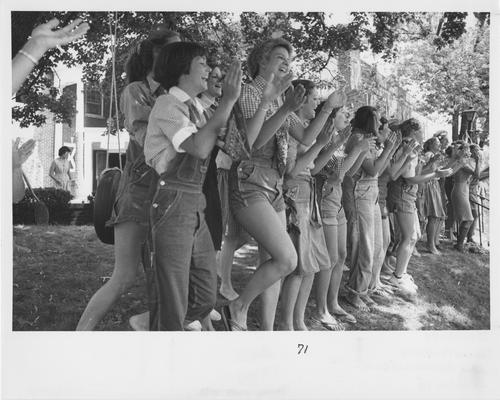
{"points": [[463, 229], [262, 222], [433, 226], [406, 223], [229, 246], [129, 237], [336, 236]]}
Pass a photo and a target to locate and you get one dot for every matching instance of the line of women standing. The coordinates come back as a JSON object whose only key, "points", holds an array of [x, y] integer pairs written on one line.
{"points": [[308, 170]]}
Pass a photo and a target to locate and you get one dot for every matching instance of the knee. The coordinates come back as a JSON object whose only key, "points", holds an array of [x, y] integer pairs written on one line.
{"points": [[287, 261], [342, 255]]}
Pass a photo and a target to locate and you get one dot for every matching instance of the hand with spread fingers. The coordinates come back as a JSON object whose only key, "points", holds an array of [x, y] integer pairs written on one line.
{"points": [[336, 99], [47, 37], [43, 38], [343, 135], [367, 144], [391, 140], [295, 98], [276, 86], [21, 154], [231, 86], [324, 136]]}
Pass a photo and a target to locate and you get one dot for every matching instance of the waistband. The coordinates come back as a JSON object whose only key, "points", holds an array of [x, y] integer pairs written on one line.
{"points": [[262, 162], [165, 183]]}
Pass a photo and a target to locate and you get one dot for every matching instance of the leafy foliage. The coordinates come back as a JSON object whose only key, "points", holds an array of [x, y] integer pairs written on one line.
{"points": [[451, 79], [225, 35]]}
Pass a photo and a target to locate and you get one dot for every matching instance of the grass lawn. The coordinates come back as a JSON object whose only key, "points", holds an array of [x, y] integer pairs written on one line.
{"points": [[65, 265]]}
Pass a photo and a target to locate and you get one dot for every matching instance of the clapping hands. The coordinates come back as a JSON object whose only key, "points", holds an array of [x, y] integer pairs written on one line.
{"points": [[231, 86], [295, 98], [276, 86]]}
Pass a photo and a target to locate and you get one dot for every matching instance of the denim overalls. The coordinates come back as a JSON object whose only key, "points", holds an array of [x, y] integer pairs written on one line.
{"points": [[181, 249]]}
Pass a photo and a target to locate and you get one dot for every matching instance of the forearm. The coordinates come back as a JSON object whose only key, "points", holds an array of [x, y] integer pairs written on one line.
{"points": [[270, 127], [415, 180], [376, 167], [477, 170], [22, 65], [397, 173], [201, 143], [255, 124], [357, 164], [304, 160], [307, 135], [323, 157], [18, 188], [398, 166]]}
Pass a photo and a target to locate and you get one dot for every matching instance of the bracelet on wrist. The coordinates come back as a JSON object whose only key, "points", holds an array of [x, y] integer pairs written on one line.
{"points": [[263, 107], [28, 56], [222, 132]]}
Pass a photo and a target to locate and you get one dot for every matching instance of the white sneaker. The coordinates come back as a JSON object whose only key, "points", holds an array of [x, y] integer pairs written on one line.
{"points": [[193, 326], [139, 322], [404, 284], [215, 315], [406, 276]]}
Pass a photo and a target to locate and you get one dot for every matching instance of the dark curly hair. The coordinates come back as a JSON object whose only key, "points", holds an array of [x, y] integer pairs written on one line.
{"points": [[63, 150]]}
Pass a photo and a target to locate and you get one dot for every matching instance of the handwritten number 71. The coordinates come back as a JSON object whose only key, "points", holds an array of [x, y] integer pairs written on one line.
{"points": [[302, 348]]}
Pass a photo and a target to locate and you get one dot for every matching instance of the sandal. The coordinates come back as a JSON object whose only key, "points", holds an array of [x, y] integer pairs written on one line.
{"points": [[345, 317], [229, 324], [332, 325]]}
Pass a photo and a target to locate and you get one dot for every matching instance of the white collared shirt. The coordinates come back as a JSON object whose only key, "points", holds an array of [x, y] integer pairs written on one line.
{"points": [[169, 126]]}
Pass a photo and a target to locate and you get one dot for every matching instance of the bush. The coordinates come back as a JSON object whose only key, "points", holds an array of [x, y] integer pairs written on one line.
{"points": [[56, 200]]}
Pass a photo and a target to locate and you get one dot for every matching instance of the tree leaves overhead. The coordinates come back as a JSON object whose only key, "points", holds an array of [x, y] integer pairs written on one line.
{"points": [[450, 79], [226, 36]]}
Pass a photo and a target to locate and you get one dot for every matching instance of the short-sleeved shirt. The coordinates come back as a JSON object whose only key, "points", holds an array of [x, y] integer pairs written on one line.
{"points": [[251, 95], [136, 102], [169, 126]]}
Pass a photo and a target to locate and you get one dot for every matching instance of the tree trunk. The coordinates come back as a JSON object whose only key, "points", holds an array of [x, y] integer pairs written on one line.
{"points": [[454, 125]]}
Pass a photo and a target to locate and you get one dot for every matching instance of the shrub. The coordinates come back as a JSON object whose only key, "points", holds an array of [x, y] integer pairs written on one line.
{"points": [[56, 200]]}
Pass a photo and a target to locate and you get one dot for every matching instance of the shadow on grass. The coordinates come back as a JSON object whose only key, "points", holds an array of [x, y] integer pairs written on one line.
{"points": [[65, 265]]}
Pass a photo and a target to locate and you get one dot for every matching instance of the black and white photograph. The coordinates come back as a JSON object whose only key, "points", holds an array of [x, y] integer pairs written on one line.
{"points": [[285, 192]]}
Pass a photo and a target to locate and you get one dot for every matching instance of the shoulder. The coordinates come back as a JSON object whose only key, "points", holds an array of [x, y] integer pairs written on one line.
{"points": [[134, 89], [169, 103]]}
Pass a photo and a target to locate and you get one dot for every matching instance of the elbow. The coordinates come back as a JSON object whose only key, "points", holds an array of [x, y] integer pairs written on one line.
{"points": [[203, 154]]}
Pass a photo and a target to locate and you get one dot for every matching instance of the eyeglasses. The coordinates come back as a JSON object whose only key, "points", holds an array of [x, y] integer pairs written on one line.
{"points": [[216, 78]]}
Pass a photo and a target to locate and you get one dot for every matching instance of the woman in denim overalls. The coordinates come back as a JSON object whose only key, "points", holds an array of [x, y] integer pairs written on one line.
{"points": [[178, 144], [363, 190], [130, 217], [330, 168]]}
